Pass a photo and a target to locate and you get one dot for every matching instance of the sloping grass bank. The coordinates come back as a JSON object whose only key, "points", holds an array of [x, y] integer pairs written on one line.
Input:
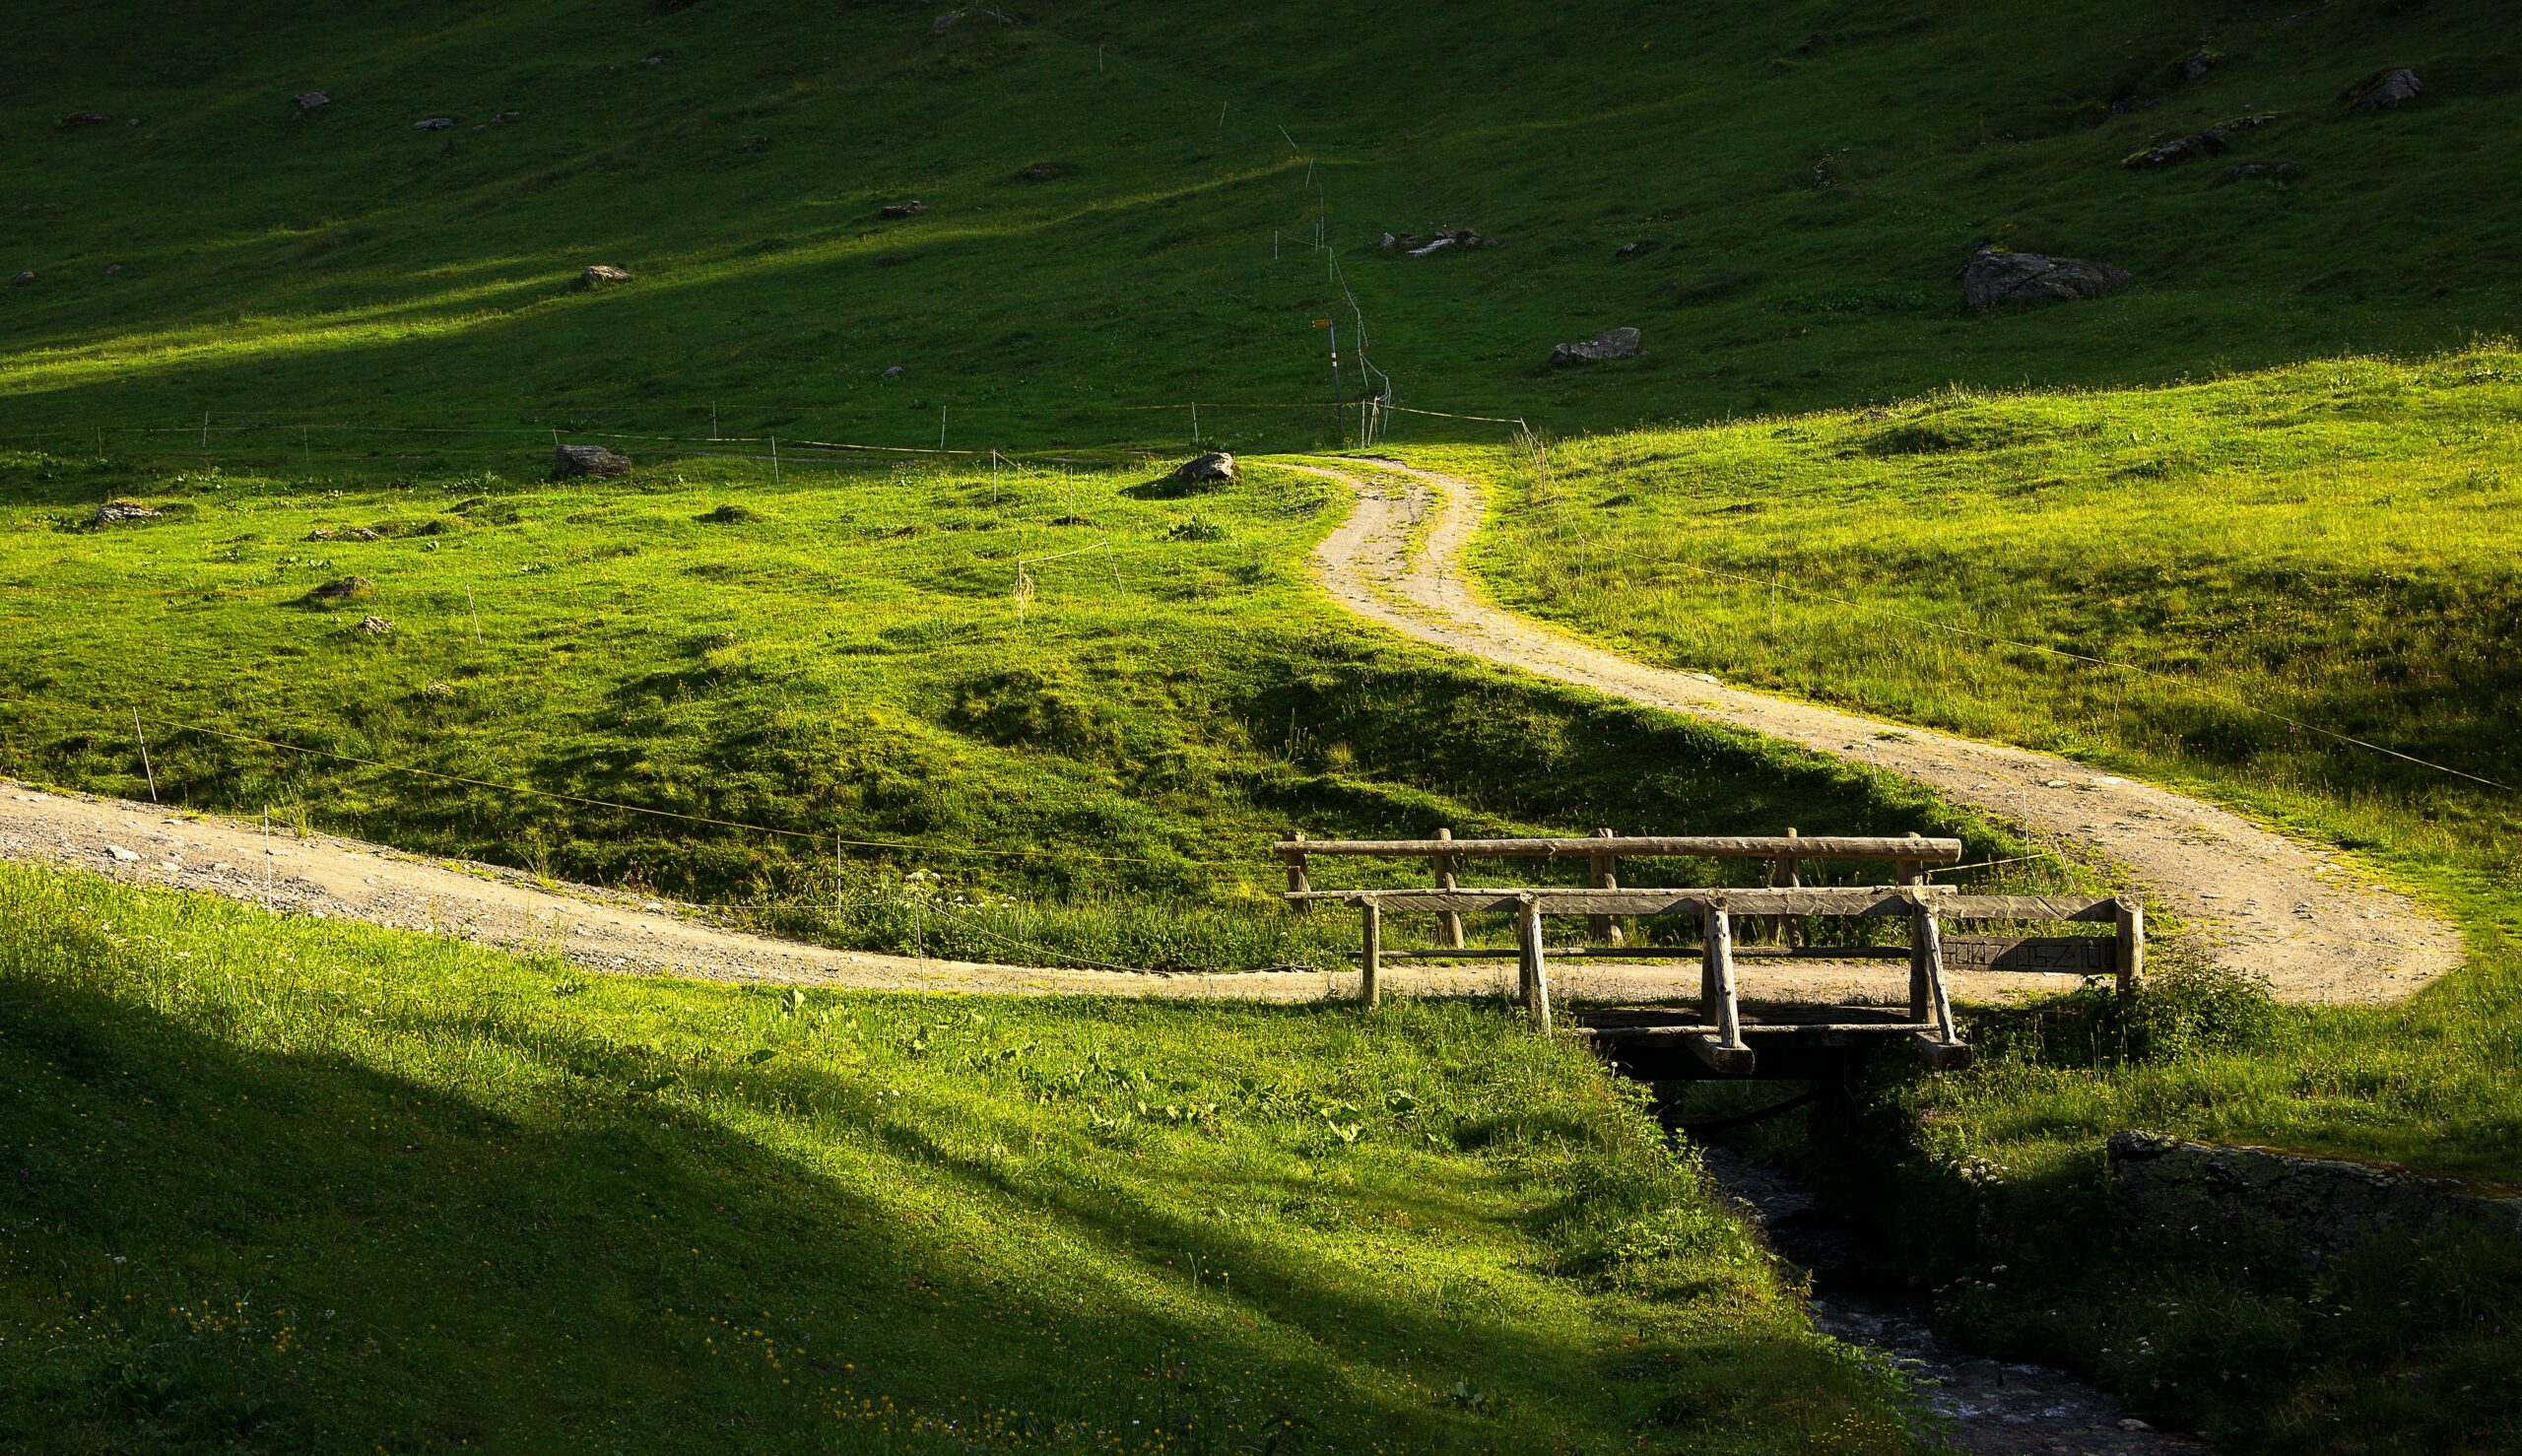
{"points": [[1053, 710], [1801, 181], [276, 1184], [2326, 543]]}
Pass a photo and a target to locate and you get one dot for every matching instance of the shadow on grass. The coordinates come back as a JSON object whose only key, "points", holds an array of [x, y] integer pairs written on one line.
{"points": [[208, 1245]]}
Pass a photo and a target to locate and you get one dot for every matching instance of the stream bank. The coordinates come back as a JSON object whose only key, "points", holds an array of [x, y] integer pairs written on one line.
{"points": [[1977, 1404]]}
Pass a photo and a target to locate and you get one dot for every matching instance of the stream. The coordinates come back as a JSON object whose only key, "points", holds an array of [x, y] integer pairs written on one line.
{"points": [[1984, 1407]]}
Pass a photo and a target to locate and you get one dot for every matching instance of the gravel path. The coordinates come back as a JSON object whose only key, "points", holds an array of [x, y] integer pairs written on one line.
{"points": [[2315, 928], [340, 878]]}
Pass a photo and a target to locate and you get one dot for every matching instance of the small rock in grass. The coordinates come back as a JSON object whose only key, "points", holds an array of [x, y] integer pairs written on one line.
{"points": [[2280, 173], [571, 461], [433, 123], [1628, 250], [341, 589], [2194, 65], [116, 512], [122, 854], [1610, 343], [1213, 468], [309, 101], [77, 120], [911, 209], [112, 268], [1993, 277], [2386, 92], [28, 276], [2210, 142], [601, 275], [653, 58], [893, 372], [439, 690], [1047, 171], [375, 626], [938, 26]]}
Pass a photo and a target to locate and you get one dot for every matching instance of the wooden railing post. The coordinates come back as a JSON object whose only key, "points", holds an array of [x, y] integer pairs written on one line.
{"points": [[1298, 880], [1370, 953], [1786, 872], [1604, 930], [1928, 939], [1721, 978], [1448, 922], [1913, 875], [2131, 947], [1535, 976]]}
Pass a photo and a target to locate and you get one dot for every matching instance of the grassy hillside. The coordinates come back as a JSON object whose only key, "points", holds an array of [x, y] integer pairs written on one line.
{"points": [[462, 1200], [847, 654], [2251, 560], [1806, 180], [2191, 582]]}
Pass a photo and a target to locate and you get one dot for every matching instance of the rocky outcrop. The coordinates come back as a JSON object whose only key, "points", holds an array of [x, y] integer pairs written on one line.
{"points": [[116, 512], [1215, 468], [2315, 1208], [602, 275], [2210, 142], [2387, 92], [570, 462], [1993, 277], [2280, 173], [1610, 343], [1443, 239]]}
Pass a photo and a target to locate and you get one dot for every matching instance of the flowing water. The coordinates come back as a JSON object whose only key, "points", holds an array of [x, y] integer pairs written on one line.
{"points": [[1981, 1406]]}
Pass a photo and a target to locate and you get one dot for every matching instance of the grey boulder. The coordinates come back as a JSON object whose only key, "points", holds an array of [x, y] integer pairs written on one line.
{"points": [[2387, 92], [1993, 277], [571, 461], [1213, 468], [1610, 343]]}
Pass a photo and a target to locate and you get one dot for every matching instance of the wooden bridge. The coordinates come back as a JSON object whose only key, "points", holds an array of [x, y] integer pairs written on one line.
{"points": [[1720, 1039]]}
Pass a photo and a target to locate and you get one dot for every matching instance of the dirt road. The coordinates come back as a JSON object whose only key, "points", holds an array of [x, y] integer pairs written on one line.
{"points": [[2314, 927], [351, 880]]}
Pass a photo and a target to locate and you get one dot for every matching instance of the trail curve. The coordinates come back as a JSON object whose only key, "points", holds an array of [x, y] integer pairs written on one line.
{"points": [[2257, 902]]}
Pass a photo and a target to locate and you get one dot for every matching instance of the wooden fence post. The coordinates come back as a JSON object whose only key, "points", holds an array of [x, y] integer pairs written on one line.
{"points": [[1786, 872], [1370, 953], [1535, 974], [2132, 946], [1720, 978], [1912, 875], [1298, 880], [1930, 954], [1604, 930], [1448, 922]]}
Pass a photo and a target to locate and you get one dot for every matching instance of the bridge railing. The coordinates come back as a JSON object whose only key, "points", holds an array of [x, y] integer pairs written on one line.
{"points": [[1720, 1040]]}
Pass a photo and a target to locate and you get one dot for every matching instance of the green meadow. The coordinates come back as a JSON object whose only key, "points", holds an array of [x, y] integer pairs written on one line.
{"points": [[2214, 585], [1804, 180], [704, 683], [899, 637], [276, 1184]]}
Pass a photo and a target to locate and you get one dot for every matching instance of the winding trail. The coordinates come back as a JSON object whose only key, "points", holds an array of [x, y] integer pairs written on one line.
{"points": [[2257, 902]]}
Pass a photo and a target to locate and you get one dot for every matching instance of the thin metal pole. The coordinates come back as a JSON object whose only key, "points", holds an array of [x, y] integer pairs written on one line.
{"points": [[477, 616], [144, 756]]}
